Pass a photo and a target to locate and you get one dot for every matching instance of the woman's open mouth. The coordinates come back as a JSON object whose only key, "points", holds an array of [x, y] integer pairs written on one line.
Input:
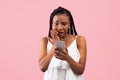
{"points": [[61, 34]]}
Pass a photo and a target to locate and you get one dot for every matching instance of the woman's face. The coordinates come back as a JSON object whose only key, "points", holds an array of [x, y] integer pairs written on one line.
{"points": [[61, 24]]}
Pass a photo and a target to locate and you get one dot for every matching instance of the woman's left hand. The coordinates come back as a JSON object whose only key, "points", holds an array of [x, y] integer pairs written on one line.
{"points": [[61, 54]]}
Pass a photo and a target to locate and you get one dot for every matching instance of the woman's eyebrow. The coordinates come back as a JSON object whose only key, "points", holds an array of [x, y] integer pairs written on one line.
{"points": [[64, 22], [56, 21]]}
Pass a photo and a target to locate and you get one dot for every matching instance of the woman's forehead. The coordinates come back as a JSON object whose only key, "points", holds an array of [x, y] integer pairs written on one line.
{"points": [[61, 17]]}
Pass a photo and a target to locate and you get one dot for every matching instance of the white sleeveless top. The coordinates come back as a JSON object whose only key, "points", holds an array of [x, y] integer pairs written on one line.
{"points": [[59, 69]]}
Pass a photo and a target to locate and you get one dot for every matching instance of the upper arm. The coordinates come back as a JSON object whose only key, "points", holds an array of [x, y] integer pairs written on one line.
{"points": [[43, 48], [81, 44]]}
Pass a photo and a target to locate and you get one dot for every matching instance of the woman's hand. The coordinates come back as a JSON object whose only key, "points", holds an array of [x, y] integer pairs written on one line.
{"points": [[61, 54], [54, 35]]}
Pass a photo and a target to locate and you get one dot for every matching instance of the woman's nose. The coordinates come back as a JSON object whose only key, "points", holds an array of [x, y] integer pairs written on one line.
{"points": [[60, 27]]}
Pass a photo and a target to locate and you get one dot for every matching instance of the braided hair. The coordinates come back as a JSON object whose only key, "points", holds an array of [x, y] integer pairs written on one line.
{"points": [[61, 10]]}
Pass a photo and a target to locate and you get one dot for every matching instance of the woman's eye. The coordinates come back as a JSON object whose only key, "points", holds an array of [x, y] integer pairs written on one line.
{"points": [[64, 24], [56, 24]]}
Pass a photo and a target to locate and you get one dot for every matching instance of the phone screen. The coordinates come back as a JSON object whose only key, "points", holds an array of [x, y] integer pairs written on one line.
{"points": [[60, 44]]}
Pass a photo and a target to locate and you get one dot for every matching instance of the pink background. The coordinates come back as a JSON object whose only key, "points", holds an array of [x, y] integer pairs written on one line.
{"points": [[24, 22]]}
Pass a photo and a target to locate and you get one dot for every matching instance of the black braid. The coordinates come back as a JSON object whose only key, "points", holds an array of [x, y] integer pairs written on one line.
{"points": [[61, 10]]}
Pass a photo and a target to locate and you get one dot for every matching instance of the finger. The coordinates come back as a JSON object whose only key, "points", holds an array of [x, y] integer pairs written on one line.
{"points": [[66, 50], [53, 32], [58, 57], [63, 51], [57, 52], [56, 36], [61, 54], [55, 55]]}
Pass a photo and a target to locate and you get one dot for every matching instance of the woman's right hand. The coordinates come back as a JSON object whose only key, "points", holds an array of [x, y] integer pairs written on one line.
{"points": [[54, 35]]}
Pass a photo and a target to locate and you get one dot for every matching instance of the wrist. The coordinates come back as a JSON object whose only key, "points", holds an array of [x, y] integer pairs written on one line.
{"points": [[68, 58]]}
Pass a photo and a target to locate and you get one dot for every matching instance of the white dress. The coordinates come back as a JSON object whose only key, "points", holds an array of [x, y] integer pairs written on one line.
{"points": [[59, 69]]}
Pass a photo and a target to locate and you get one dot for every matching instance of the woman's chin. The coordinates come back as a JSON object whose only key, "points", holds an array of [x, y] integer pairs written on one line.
{"points": [[62, 36]]}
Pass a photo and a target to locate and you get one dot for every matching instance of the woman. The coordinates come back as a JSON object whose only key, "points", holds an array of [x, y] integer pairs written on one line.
{"points": [[66, 64]]}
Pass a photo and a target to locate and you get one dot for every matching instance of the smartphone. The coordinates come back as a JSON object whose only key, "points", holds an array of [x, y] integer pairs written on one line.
{"points": [[60, 44]]}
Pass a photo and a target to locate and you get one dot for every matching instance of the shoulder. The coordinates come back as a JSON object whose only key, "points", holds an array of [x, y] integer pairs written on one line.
{"points": [[80, 40], [44, 40]]}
